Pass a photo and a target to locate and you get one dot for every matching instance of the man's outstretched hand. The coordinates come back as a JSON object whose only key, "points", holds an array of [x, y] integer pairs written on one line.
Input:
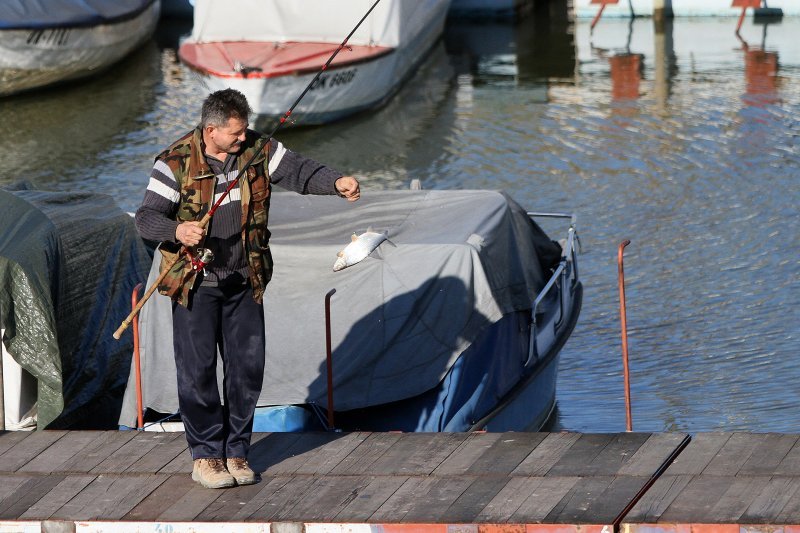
{"points": [[347, 187]]}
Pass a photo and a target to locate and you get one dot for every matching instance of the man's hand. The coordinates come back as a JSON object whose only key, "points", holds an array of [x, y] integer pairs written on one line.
{"points": [[189, 233], [347, 187]]}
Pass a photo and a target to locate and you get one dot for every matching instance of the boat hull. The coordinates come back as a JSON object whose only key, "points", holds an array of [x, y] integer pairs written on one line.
{"points": [[34, 58], [341, 91]]}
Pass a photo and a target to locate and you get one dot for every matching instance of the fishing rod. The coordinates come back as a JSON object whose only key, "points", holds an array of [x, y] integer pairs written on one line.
{"points": [[199, 263]]}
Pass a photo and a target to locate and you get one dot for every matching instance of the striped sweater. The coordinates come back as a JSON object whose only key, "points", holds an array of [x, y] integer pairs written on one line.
{"points": [[155, 218]]}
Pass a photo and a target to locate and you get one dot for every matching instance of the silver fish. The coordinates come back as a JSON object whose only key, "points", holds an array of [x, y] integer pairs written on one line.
{"points": [[360, 247]]}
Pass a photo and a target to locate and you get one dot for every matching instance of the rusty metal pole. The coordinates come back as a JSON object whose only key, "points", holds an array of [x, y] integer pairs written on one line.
{"points": [[623, 320], [329, 356], [137, 363]]}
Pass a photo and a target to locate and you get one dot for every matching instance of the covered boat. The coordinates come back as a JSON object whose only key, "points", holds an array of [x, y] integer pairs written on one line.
{"points": [[68, 265], [50, 41], [273, 53], [452, 324]]}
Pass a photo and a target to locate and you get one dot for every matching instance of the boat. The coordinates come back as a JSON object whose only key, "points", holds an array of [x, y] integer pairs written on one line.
{"points": [[52, 41], [454, 323], [68, 264], [274, 53]]}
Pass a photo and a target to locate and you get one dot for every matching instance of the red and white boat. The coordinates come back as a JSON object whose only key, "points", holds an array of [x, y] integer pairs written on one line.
{"points": [[270, 50]]}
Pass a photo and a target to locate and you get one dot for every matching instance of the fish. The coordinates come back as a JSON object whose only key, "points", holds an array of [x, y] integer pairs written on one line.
{"points": [[359, 248]]}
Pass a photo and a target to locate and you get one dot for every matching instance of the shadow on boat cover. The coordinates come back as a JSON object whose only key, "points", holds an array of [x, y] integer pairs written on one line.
{"points": [[68, 265]]}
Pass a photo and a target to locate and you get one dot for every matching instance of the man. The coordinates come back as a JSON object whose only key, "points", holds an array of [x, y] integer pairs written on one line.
{"points": [[219, 304]]}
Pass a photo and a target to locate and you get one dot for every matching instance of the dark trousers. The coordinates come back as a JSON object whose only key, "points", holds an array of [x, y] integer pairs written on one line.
{"points": [[226, 317]]}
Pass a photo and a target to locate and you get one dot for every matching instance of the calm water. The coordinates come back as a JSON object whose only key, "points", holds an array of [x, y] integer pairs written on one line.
{"points": [[686, 142]]}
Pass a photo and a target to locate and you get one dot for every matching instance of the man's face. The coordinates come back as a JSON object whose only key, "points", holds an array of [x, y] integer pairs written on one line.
{"points": [[228, 138]]}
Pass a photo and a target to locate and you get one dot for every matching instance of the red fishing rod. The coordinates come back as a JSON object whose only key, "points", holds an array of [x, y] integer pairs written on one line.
{"points": [[199, 262]]}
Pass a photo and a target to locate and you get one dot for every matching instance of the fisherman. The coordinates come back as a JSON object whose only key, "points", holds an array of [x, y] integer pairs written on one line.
{"points": [[218, 304]]}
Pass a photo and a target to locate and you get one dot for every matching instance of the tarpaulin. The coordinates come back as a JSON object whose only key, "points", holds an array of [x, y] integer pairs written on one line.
{"points": [[68, 265]]}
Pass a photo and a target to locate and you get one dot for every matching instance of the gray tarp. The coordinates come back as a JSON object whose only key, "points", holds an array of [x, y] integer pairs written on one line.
{"points": [[68, 265], [457, 261]]}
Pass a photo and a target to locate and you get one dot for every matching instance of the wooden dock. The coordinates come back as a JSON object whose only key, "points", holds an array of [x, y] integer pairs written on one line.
{"points": [[406, 482]]}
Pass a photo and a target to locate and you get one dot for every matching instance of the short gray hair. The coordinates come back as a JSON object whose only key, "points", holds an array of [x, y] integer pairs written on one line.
{"points": [[221, 106]]}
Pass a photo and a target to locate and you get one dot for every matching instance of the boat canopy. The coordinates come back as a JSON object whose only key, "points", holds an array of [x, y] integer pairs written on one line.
{"points": [[68, 265], [43, 14], [455, 263], [391, 23]]}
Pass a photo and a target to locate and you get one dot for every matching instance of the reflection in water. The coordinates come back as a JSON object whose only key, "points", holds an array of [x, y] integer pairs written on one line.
{"points": [[692, 155], [61, 132]]}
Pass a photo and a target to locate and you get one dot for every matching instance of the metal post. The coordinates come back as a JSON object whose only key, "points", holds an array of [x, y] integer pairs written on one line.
{"points": [[329, 356], [622, 314]]}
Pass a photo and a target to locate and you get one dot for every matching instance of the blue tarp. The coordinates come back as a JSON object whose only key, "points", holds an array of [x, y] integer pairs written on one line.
{"points": [[41, 14]]}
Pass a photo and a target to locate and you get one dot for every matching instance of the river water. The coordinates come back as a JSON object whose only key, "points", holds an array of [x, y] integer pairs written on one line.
{"points": [[685, 140]]}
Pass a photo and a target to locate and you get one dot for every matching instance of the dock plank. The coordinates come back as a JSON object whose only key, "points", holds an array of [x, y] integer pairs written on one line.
{"points": [[771, 501], [652, 454], [158, 458], [225, 507], [375, 494], [581, 454], [656, 500], [29, 448], [189, 505], [435, 498], [417, 454], [741, 492], [282, 498], [616, 454], [581, 496], [57, 497], [97, 451], [138, 446], [469, 451], [329, 495], [697, 499], [361, 459], [8, 439], [473, 500], [154, 504], [322, 460], [26, 494], [512, 496], [109, 497], [506, 453], [734, 454], [768, 455], [307, 453], [698, 454], [267, 487], [547, 453]]}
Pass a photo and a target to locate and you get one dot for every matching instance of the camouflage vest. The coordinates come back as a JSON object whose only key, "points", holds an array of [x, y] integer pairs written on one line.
{"points": [[196, 181]]}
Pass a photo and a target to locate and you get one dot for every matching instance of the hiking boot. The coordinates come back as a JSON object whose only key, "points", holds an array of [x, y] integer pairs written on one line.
{"points": [[211, 474], [241, 471]]}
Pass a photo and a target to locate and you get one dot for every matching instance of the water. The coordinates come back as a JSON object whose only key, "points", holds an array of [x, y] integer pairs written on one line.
{"points": [[693, 154]]}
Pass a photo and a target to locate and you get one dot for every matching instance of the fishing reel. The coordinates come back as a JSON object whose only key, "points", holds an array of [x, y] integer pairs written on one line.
{"points": [[201, 258]]}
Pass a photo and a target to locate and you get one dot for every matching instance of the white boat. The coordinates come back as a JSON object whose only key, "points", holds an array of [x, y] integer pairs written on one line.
{"points": [[50, 41], [273, 54]]}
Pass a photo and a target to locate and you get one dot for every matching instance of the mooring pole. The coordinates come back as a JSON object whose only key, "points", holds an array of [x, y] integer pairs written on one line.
{"points": [[329, 359], [624, 322]]}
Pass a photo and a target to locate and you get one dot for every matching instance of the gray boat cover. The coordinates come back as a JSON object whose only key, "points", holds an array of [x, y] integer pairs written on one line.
{"points": [[41, 14], [455, 263], [68, 265]]}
